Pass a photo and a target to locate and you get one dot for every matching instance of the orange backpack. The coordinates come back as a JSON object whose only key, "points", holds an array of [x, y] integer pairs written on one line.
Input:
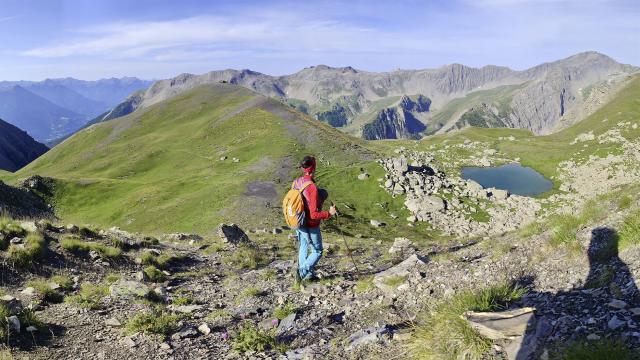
{"points": [[293, 206]]}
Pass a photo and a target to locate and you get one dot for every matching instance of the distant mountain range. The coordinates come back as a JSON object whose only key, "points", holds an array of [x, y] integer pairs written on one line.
{"points": [[542, 99], [17, 148], [53, 108]]}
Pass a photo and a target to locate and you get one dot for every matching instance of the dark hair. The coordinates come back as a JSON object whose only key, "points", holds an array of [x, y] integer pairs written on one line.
{"points": [[307, 162]]}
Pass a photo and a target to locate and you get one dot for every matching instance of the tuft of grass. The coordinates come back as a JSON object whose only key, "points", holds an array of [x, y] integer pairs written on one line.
{"points": [[64, 281], [395, 281], [602, 279], [248, 257], [27, 318], [43, 287], [365, 284], [595, 350], [624, 202], [285, 310], [111, 278], [630, 231], [153, 323], [163, 261], [250, 338], [154, 274], [531, 229], [33, 250], [89, 296], [8, 230], [250, 292], [183, 300], [88, 231], [76, 245], [269, 274], [443, 333]]}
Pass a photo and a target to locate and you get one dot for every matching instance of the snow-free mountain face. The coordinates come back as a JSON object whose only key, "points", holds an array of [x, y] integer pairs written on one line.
{"points": [[17, 148], [542, 99], [53, 108]]}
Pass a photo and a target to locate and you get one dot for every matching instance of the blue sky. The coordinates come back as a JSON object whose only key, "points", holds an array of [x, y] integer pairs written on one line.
{"points": [[92, 39]]}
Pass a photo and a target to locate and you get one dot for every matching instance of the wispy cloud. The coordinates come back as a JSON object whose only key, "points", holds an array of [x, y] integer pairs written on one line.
{"points": [[210, 36], [7, 18]]}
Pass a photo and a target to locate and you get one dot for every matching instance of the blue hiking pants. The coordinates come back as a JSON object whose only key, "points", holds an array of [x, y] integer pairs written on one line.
{"points": [[308, 238]]}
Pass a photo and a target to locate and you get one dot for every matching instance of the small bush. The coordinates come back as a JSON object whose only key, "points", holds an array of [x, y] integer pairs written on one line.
{"points": [[251, 338], [76, 245], [285, 310], [43, 287], [153, 274], [444, 334], [33, 249], [89, 296], [28, 318], [153, 323], [595, 350], [269, 274]]}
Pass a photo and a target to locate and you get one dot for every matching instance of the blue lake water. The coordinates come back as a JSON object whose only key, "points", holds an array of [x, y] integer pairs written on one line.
{"points": [[511, 177]]}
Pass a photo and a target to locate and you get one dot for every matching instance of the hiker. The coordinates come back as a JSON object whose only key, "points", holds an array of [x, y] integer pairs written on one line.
{"points": [[308, 230]]}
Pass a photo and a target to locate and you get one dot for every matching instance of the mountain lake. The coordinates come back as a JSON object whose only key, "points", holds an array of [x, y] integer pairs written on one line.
{"points": [[513, 177]]}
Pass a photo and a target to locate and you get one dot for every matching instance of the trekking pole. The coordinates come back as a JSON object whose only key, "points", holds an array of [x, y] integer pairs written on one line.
{"points": [[345, 240]]}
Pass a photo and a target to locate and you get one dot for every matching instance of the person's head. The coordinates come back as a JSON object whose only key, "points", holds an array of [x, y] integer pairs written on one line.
{"points": [[308, 164]]}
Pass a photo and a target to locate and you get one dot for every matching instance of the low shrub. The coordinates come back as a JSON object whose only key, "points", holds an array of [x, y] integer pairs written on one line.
{"points": [[248, 257], [153, 323], [250, 338]]}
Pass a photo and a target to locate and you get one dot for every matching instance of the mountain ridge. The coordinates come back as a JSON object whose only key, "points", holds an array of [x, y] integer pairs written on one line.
{"points": [[17, 148], [351, 97]]}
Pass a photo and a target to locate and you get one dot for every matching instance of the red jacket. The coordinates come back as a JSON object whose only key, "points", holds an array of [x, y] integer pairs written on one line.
{"points": [[313, 213]]}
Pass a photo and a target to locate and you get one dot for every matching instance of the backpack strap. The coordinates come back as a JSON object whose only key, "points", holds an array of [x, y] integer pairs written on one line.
{"points": [[304, 185]]}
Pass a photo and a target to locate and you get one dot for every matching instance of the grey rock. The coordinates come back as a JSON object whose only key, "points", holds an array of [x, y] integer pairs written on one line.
{"points": [[376, 223], [363, 176], [617, 304], [402, 245], [615, 323], [403, 269], [112, 322], [204, 329], [13, 323], [287, 323], [232, 234], [128, 289], [370, 335], [501, 325]]}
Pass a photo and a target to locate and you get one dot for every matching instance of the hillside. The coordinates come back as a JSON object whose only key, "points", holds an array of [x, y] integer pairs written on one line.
{"points": [[171, 166], [542, 99], [17, 148]]}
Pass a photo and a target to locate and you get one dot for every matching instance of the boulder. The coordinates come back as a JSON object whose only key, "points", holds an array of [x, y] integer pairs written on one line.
{"points": [[427, 204], [232, 234], [363, 176], [403, 269], [128, 289], [499, 194], [402, 245], [370, 335], [501, 325], [376, 223], [12, 304], [287, 323]]}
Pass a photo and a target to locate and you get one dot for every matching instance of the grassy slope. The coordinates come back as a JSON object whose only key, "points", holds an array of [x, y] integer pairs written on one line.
{"points": [[159, 170]]}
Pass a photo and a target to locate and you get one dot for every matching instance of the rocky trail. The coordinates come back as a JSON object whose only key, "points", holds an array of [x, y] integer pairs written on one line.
{"points": [[207, 300]]}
